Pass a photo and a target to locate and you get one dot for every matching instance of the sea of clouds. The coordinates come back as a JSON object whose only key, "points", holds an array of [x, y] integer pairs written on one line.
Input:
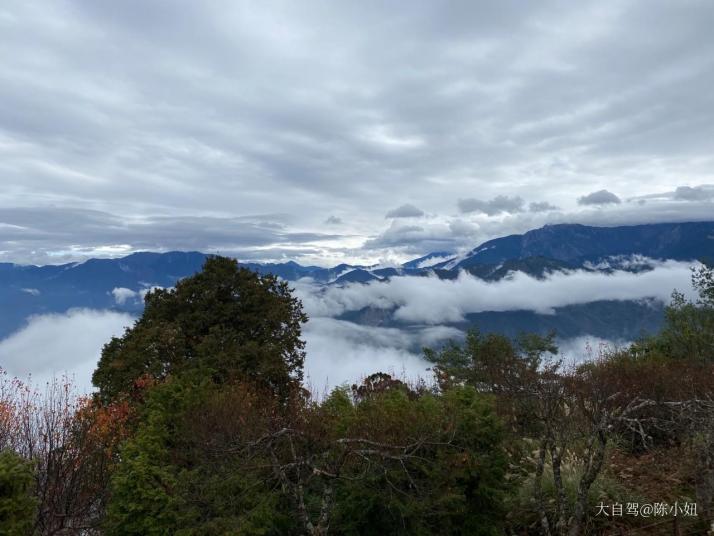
{"points": [[61, 344], [340, 351], [431, 300]]}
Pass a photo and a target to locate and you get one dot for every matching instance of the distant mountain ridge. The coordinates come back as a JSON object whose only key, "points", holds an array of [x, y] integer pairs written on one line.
{"points": [[32, 290], [576, 244]]}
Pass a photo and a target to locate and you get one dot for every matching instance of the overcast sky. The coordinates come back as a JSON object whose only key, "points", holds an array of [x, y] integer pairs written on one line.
{"points": [[359, 131]]}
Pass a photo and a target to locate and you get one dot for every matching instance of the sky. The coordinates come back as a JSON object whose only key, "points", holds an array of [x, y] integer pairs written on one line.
{"points": [[339, 131]]}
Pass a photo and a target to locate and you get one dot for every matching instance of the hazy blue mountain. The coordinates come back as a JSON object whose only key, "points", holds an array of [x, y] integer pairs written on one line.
{"points": [[32, 290], [389, 272], [607, 319], [538, 267]]}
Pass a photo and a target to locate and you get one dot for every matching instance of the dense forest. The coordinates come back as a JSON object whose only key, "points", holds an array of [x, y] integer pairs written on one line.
{"points": [[200, 425]]}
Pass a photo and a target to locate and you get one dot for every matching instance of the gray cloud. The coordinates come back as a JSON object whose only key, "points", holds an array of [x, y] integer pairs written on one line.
{"points": [[698, 193], [601, 197], [703, 193], [241, 108], [72, 233], [333, 220], [498, 204], [413, 240], [541, 206], [405, 211]]}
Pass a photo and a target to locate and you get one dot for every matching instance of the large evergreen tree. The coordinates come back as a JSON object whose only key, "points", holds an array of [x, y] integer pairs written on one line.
{"points": [[226, 321]]}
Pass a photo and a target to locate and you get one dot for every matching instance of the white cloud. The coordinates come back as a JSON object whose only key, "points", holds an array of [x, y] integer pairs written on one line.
{"points": [[431, 261], [586, 347], [123, 295], [143, 292], [31, 291], [337, 351], [54, 344], [341, 352], [429, 300]]}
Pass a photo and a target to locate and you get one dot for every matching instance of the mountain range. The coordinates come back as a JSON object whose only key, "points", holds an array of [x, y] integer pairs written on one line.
{"points": [[99, 283]]}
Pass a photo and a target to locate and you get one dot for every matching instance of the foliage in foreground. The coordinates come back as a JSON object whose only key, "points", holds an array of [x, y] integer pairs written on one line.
{"points": [[236, 460], [17, 504]]}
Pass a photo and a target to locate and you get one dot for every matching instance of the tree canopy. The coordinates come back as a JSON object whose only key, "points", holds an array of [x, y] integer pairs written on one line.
{"points": [[226, 322]]}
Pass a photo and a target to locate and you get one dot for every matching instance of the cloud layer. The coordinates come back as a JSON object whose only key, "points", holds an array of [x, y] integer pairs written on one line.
{"points": [[433, 301], [52, 345], [247, 124], [341, 351]]}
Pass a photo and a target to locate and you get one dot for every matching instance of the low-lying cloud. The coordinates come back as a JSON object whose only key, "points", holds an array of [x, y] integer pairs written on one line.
{"points": [[340, 352], [429, 300], [123, 295], [586, 347], [56, 344]]}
